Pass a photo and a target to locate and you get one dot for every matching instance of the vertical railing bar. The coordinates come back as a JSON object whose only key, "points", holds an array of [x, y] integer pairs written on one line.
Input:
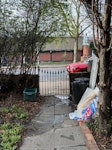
{"points": [[42, 81], [45, 81], [63, 82], [68, 83], [50, 80], [58, 82], [41, 84], [51, 88], [43, 89], [54, 83], [39, 78]]}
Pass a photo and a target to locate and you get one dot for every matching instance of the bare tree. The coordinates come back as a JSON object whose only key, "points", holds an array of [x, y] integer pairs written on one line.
{"points": [[100, 12], [76, 21]]}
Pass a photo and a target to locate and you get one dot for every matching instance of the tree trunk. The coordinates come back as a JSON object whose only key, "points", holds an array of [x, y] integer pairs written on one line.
{"points": [[76, 50], [105, 122], [77, 34]]}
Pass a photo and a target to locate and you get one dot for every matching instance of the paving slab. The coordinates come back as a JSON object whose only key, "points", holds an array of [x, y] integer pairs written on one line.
{"points": [[66, 137], [52, 129], [62, 109], [69, 123]]}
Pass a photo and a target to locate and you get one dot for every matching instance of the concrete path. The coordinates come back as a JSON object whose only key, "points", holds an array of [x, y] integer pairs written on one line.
{"points": [[51, 129]]}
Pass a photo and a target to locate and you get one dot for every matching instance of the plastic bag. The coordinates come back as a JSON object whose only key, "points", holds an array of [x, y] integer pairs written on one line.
{"points": [[85, 113]]}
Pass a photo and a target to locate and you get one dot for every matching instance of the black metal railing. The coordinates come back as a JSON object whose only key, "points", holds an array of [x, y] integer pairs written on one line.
{"points": [[53, 81]]}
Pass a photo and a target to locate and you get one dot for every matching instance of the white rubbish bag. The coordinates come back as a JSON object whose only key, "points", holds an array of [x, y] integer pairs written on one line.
{"points": [[84, 114]]}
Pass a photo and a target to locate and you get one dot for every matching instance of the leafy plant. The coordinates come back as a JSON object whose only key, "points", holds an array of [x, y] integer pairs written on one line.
{"points": [[15, 111], [5, 110], [6, 146], [5, 126], [10, 136], [21, 116]]}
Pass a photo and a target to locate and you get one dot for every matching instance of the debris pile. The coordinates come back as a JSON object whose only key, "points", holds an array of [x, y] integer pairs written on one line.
{"points": [[87, 106]]}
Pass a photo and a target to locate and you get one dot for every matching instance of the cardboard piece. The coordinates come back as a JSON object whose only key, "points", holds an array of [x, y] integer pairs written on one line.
{"points": [[87, 97]]}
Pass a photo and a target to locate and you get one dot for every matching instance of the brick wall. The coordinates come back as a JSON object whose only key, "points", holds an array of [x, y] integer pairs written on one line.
{"points": [[61, 56], [45, 56], [56, 56]]}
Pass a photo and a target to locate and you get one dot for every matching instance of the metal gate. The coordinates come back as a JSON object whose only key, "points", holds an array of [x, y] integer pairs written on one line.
{"points": [[53, 81]]}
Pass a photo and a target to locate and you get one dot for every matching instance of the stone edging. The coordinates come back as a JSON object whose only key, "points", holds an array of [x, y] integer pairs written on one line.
{"points": [[90, 141]]}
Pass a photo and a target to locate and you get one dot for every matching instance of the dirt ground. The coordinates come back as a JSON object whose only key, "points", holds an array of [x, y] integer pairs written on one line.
{"points": [[102, 142]]}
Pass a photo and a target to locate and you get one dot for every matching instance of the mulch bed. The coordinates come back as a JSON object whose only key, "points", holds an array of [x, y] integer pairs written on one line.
{"points": [[31, 107], [102, 142]]}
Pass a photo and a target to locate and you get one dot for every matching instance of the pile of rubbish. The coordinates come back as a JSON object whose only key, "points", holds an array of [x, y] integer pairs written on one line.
{"points": [[87, 106]]}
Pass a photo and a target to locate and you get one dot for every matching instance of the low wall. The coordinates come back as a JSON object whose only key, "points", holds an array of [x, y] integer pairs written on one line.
{"points": [[17, 83]]}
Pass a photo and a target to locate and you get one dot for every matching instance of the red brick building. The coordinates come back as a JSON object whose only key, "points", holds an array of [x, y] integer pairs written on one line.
{"points": [[62, 49]]}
